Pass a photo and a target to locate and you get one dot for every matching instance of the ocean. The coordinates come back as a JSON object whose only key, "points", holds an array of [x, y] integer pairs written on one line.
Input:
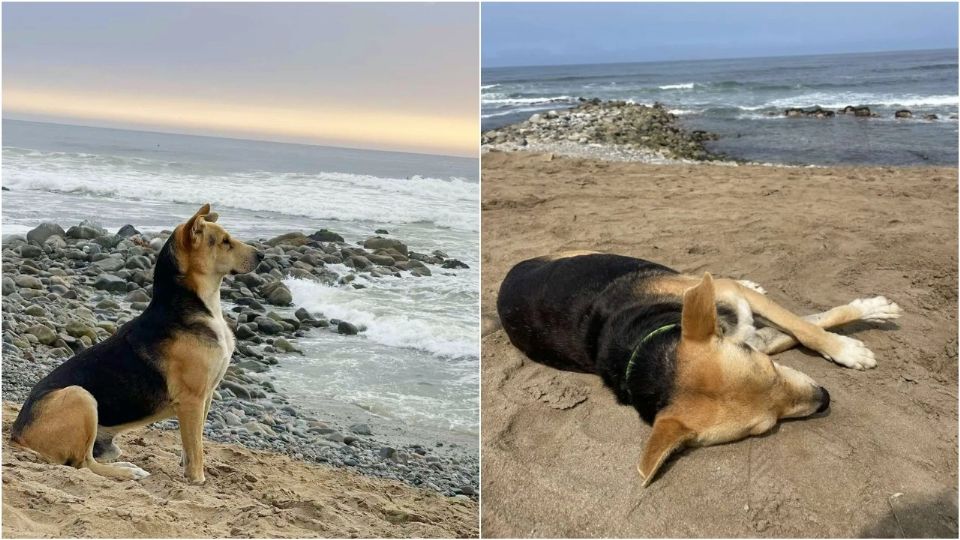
{"points": [[743, 100], [418, 361]]}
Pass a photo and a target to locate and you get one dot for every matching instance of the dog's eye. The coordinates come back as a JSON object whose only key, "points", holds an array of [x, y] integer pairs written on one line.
{"points": [[226, 242]]}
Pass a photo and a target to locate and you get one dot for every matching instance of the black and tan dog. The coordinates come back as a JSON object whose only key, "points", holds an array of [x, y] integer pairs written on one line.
{"points": [[683, 350], [166, 362]]}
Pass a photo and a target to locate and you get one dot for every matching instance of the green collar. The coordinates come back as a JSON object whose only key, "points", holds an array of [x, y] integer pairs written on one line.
{"points": [[646, 338]]}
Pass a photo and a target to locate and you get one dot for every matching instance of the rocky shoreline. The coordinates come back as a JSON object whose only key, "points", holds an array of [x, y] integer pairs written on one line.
{"points": [[65, 290], [625, 131], [612, 130]]}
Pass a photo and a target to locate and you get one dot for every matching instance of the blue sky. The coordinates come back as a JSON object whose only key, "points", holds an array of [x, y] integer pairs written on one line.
{"points": [[583, 33], [389, 76]]}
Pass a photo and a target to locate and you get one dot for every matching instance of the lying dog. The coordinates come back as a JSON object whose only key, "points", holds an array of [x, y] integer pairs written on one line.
{"points": [[166, 362], [684, 351]]}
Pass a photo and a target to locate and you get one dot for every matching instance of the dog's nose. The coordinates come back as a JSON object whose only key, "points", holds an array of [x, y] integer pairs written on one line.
{"points": [[260, 256], [824, 400]]}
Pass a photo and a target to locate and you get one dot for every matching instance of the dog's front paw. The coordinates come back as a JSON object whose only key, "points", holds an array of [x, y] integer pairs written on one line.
{"points": [[196, 479], [137, 472], [852, 353], [876, 309], [752, 286]]}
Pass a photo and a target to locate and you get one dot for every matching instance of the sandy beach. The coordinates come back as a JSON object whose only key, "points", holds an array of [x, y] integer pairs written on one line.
{"points": [[559, 454], [247, 494]]}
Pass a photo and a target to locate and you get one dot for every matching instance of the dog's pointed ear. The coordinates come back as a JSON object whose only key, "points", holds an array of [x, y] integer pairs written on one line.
{"points": [[699, 319], [668, 435], [193, 228]]}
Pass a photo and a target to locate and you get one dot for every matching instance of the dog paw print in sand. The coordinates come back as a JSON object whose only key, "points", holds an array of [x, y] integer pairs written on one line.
{"points": [[555, 393]]}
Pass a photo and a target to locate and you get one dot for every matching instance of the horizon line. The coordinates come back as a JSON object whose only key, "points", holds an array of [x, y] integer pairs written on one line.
{"points": [[5, 117], [711, 59]]}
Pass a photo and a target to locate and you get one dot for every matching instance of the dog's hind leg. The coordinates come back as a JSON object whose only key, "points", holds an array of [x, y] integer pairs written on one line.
{"points": [[843, 350], [771, 340], [63, 430]]}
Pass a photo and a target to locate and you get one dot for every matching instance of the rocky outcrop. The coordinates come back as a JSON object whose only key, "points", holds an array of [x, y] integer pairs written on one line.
{"points": [[607, 123]]}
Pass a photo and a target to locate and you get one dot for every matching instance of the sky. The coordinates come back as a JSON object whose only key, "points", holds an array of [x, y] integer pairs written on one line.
{"points": [[382, 76], [531, 34]]}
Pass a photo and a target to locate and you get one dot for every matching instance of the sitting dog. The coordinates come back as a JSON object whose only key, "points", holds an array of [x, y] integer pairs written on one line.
{"points": [[684, 351], [165, 362]]}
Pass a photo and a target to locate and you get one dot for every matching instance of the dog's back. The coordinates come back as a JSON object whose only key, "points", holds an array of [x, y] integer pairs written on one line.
{"points": [[554, 310]]}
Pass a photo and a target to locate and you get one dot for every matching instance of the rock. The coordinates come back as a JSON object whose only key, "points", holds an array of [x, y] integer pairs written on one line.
{"points": [[108, 241], [903, 113], [361, 429], [111, 283], [380, 260], [111, 263], [79, 329], [35, 311], [43, 333], [250, 280], [931, 117], [137, 295], [377, 242], [238, 390], [323, 235], [28, 251], [268, 325], [245, 331], [28, 282], [83, 232], [127, 231], [138, 262], [453, 264], [231, 419], [43, 231], [9, 285], [359, 262], [290, 239], [277, 294], [303, 315], [283, 345], [388, 453], [343, 327], [55, 242], [381, 231]]}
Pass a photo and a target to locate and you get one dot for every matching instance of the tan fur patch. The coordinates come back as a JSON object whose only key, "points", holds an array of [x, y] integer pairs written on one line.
{"points": [[568, 254], [64, 426]]}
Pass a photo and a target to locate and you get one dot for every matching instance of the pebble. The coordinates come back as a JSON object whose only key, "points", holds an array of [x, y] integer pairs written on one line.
{"points": [[361, 429], [28, 282]]}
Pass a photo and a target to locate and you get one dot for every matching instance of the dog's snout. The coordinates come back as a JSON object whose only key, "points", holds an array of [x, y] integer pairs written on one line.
{"points": [[259, 256], [824, 399]]}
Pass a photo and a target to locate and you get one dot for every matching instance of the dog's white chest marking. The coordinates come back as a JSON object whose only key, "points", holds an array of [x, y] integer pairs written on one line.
{"points": [[226, 344]]}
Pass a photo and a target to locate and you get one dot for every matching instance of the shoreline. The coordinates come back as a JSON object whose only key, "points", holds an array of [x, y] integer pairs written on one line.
{"points": [[624, 131], [64, 290]]}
